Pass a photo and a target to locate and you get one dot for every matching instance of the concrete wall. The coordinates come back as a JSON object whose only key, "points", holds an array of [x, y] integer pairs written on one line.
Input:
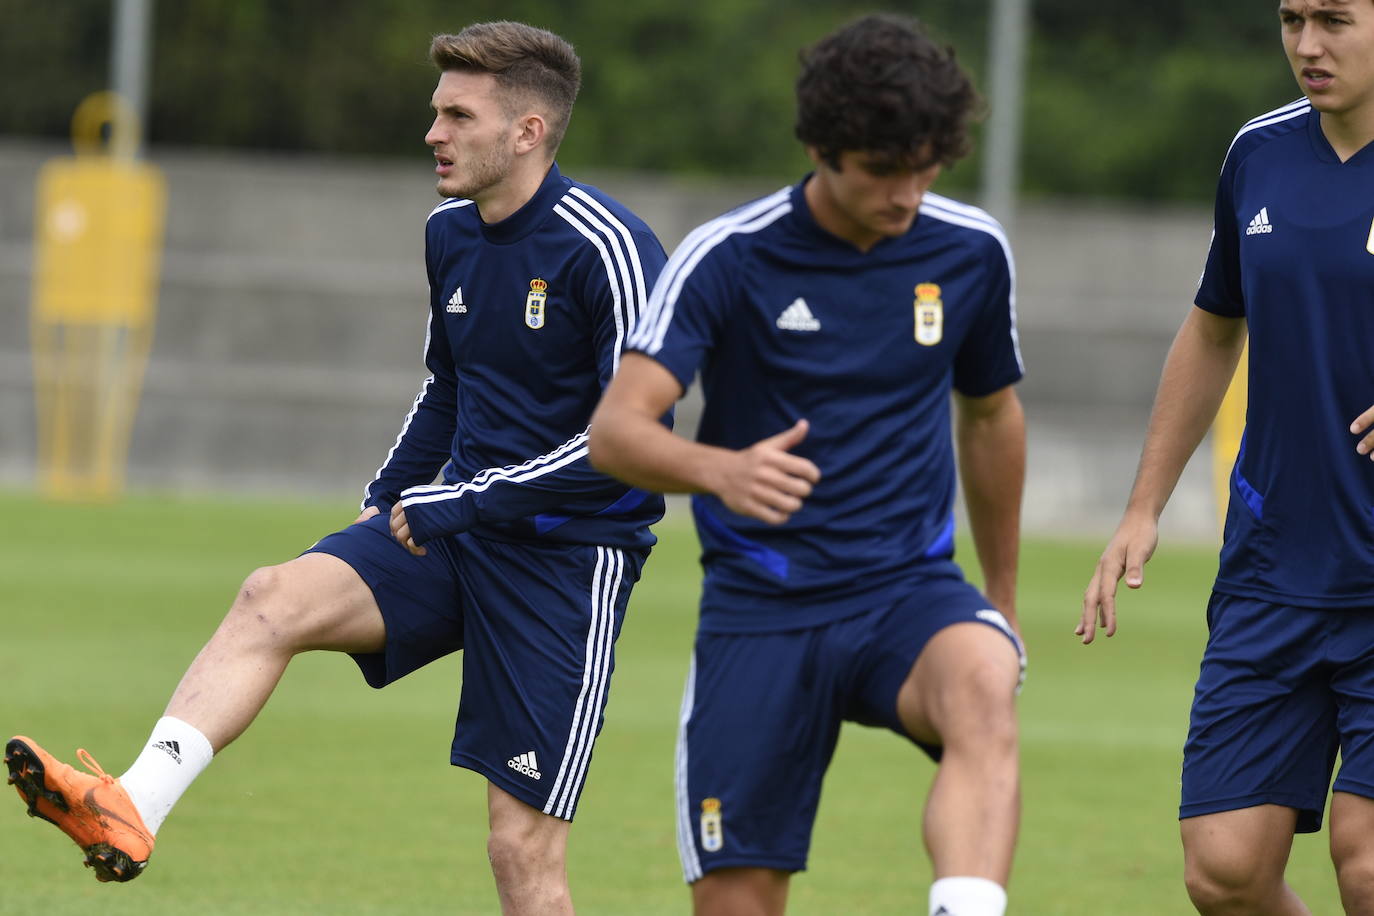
{"points": [[292, 311]]}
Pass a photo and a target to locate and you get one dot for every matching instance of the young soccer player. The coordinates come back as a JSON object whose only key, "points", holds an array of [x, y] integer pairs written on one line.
{"points": [[1288, 674], [831, 322], [522, 555]]}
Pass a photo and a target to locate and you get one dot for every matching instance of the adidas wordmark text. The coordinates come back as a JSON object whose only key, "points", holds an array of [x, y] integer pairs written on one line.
{"points": [[1260, 224], [525, 764]]}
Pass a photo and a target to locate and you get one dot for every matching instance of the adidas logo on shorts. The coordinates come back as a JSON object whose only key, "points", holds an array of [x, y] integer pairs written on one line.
{"points": [[526, 765]]}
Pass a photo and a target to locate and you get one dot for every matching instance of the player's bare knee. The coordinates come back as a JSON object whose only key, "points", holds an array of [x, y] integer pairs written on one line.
{"points": [[1228, 884], [1213, 898], [977, 707], [1355, 873], [264, 611], [519, 854], [258, 594]]}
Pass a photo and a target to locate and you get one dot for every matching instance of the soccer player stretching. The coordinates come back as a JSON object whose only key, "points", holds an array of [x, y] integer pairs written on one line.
{"points": [[831, 321], [522, 555], [1287, 678]]}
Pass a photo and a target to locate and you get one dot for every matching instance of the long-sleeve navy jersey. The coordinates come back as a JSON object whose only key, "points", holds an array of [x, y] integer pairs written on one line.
{"points": [[527, 318]]}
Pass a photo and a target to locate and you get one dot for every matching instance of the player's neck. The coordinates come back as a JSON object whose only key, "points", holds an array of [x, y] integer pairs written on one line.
{"points": [[513, 192], [1349, 131], [831, 217]]}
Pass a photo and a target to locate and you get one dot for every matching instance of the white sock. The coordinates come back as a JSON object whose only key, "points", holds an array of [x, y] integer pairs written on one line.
{"points": [[174, 756], [967, 897]]}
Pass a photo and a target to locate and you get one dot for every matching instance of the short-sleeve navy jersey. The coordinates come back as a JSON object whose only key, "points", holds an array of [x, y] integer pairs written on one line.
{"points": [[786, 321], [1293, 253], [527, 319]]}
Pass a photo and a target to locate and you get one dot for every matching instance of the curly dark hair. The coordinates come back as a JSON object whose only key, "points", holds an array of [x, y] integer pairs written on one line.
{"points": [[881, 85]]}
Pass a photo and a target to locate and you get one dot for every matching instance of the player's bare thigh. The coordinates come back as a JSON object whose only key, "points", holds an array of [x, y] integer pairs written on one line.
{"points": [[1237, 859], [741, 892], [966, 674], [528, 853], [1352, 850], [315, 601]]}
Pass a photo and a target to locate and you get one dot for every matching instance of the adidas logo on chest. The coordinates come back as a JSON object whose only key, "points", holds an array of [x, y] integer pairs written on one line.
{"points": [[455, 303], [798, 317], [1260, 225]]}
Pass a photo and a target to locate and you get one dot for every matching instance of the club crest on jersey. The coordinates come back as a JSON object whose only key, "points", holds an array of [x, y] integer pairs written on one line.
{"points": [[930, 314], [534, 304], [712, 831]]}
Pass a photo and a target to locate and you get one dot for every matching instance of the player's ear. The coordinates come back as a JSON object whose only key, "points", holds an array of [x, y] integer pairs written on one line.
{"points": [[530, 132]]}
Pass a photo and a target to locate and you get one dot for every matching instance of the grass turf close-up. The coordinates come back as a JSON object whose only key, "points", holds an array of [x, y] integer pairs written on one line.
{"points": [[340, 799]]}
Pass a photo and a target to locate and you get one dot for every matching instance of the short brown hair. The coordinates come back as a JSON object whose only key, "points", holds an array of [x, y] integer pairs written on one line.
{"points": [[527, 63]]}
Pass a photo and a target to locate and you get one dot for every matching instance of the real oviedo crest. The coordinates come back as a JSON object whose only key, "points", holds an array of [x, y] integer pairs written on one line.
{"points": [[930, 314], [712, 830], [534, 304]]}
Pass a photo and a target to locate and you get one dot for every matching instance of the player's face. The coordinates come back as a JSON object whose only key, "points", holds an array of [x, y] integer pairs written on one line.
{"points": [[868, 197], [1330, 46], [472, 136]]}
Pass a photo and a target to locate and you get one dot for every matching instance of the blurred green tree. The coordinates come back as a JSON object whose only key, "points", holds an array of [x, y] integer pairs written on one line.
{"points": [[1123, 99]]}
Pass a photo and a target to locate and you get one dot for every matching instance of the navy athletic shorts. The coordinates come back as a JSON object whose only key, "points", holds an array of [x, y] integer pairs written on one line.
{"points": [[1280, 690], [538, 623], [762, 711]]}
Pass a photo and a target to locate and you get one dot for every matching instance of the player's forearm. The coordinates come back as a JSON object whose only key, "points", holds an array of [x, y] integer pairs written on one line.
{"points": [[553, 483], [1200, 365], [992, 467], [640, 451]]}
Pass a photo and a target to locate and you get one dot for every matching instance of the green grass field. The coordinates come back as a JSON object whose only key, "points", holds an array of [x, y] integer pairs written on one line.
{"points": [[340, 799]]}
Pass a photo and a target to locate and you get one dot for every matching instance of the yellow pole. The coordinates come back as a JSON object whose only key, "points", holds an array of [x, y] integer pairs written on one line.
{"points": [[99, 231], [1227, 430]]}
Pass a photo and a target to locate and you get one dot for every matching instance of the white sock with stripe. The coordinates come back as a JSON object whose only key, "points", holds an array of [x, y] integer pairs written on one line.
{"points": [[176, 753], [967, 897]]}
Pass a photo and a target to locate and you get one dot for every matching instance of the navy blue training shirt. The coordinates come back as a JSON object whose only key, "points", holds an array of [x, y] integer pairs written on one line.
{"points": [[527, 320], [786, 321], [1293, 253]]}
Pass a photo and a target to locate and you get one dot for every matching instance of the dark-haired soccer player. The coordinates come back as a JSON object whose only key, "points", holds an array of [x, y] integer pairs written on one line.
{"points": [[831, 321], [1288, 674], [523, 554]]}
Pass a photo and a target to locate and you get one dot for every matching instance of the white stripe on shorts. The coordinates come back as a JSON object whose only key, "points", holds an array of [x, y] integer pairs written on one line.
{"points": [[596, 673], [686, 843]]}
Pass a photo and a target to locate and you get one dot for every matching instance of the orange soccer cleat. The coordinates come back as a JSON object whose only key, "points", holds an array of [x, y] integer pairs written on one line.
{"points": [[94, 810]]}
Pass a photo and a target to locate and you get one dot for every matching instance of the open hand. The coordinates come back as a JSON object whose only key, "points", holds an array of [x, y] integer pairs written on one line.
{"points": [[1127, 553]]}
